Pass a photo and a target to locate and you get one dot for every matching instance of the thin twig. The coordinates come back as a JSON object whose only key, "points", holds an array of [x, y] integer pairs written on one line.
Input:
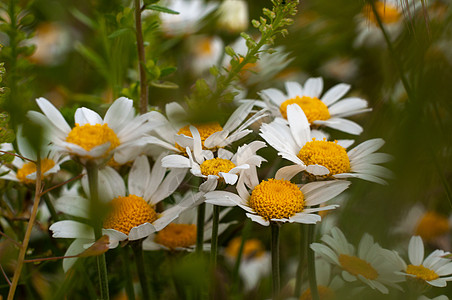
{"points": [[62, 183], [11, 239], [141, 59], [17, 155], [49, 258], [6, 276]]}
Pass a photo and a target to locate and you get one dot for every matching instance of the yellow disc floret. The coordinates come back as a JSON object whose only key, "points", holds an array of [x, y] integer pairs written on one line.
{"points": [[89, 136], [205, 130], [276, 199], [30, 167], [128, 212], [216, 165], [357, 266], [388, 13], [251, 249], [328, 154], [432, 225], [325, 293], [177, 236], [422, 272], [313, 108]]}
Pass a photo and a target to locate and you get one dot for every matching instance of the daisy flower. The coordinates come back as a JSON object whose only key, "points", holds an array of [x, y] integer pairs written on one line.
{"points": [[327, 110], [434, 269], [205, 53], [94, 138], [280, 200], [180, 234], [233, 16], [255, 263], [226, 167], [370, 264], [175, 135], [311, 152], [25, 171], [327, 285], [187, 21], [132, 215]]}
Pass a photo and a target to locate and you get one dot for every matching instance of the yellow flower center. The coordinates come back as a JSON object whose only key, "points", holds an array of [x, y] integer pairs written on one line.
{"points": [[328, 154], [422, 272], [252, 248], [177, 235], [313, 108], [205, 46], [128, 212], [216, 165], [30, 167], [356, 266], [388, 13], [276, 199], [432, 225], [89, 136], [325, 293], [205, 130]]}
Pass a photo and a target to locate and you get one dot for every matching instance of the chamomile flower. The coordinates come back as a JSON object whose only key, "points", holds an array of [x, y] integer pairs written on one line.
{"points": [[255, 263], [180, 234], [327, 110], [233, 16], [370, 264], [280, 200], [188, 19], [391, 15], [435, 269], [225, 167], [132, 215], [205, 52], [175, 134], [94, 138], [25, 171], [311, 152]]}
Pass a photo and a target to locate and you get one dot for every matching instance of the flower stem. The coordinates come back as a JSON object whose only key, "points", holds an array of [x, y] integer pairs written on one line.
{"points": [[200, 228], [275, 259], [93, 172], [214, 240], [23, 248], [139, 260], [311, 263], [128, 274], [301, 258], [141, 59], [245, 233]]}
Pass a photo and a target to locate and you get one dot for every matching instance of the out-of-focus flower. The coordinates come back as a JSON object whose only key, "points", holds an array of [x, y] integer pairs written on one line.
{"points": [[255, 262], [94, 138], [311, 152], [369, 32], [328, 110], [433, 269], [188, 21], [52, 41], [326, 284], [280, 200], [233, 16], [205, 53], [226, 167], [175, 134], [370, 264], [180, 235], [340, 68], [132, 215], [25, 171]]}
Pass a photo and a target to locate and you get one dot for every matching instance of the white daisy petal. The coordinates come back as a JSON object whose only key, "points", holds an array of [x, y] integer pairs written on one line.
{"points": [[416, 250], [71, 229], [120, 112], [273, 95], [87, 116], [318, 192], [335, 93], [313, 87], [141, 231], [317, 170], [258, 219], [289, 172], [138, 176], [348, 106], [53, 115], [299, 125], [293, 89], [342, 125]]}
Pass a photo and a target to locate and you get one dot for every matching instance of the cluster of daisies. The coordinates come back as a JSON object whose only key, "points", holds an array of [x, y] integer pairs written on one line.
{"points": [[207, 163]]}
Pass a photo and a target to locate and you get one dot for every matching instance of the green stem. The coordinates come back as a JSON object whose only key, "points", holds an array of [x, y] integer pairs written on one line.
{"points": [[51, 208], [301, 258], [275, 259], [139, 260], [394, 55], [95, 210], [200, 228], [214, 240], [245, 234], [141, 59], [128, 274], [311, 263]]}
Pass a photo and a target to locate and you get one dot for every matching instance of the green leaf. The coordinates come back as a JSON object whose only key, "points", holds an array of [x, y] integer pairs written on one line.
{"points": [[164, 84], [167, 71], [119, 32], [162, 9]]}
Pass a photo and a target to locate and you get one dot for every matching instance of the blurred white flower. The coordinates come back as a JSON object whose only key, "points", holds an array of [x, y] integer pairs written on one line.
{"points": [[233, 16]]}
